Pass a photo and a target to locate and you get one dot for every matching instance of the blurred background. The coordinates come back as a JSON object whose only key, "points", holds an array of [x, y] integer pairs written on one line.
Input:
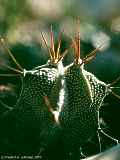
{"points": [[21, 24]]}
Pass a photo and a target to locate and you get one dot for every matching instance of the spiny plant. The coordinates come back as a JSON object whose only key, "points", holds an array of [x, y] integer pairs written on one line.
{"points": [[38, 84], [38, 123], [83, 96]]}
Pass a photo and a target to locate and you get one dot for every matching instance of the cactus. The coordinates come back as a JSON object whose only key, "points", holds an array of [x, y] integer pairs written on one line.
{"points": [[37, 117], [31, 110], [83, 96]]}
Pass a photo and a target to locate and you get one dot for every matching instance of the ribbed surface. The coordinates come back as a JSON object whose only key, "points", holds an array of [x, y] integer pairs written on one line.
{"points": [[31, 106], [84, 94], [98, 89], [77, 117], [31, 116]]}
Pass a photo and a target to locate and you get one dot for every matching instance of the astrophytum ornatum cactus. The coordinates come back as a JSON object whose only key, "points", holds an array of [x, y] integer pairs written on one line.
{"points": [[32, 111], [39, 121], [83, 96]]}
